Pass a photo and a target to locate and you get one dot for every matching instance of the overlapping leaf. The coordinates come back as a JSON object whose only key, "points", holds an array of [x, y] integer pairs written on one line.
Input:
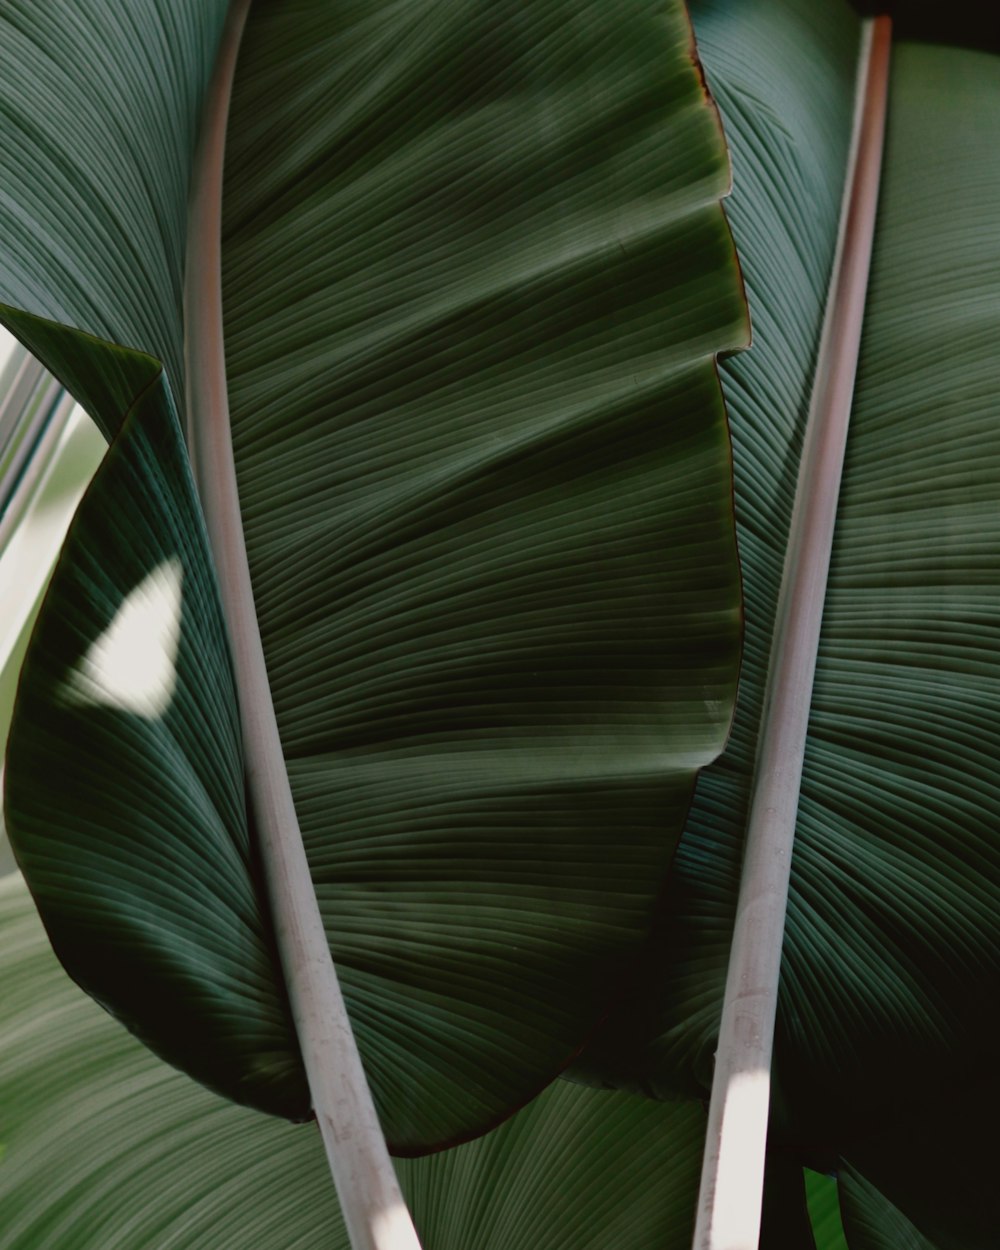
{"points": [[892, 934], [100, 108], [475, 276], [127, 689], [107, 1149], [787, 121], [896, 879]]}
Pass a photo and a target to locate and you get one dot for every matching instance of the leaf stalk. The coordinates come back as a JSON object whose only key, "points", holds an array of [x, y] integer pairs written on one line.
{"points": [[730, 1198], [371, 1202]]}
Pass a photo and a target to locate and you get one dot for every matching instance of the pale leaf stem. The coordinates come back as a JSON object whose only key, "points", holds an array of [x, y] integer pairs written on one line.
{"points": [[729, 1202], [374, 1212]]}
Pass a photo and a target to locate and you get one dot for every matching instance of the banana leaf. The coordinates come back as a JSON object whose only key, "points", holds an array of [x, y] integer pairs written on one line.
{"points": [[891, 939], [106, 1148], [475, 276]]}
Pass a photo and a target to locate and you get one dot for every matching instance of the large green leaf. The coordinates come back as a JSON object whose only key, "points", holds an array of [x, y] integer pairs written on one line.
{"points": [[891, 937], [788, 121], [128, 685], [475, 276], [894, 932], [107, 1149]]}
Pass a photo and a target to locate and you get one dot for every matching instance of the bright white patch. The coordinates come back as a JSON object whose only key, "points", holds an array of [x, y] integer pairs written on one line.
{"points": [[738, 1192], [133, 665], [392, 1229]]}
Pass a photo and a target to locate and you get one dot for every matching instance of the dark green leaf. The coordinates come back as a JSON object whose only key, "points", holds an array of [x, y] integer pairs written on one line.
{"points": [[891, 940], [128, 692], [788, 122], [107, 1149], [476, 272]]}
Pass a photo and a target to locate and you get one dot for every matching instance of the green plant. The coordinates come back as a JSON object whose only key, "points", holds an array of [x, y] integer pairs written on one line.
{"points": [[468, 192]]}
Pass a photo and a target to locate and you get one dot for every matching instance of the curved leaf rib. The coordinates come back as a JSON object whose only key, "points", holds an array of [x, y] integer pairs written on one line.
{"points": [[372, 1205], [108, 1149], [483, 466], [732, 1181], [891, 936], [127, 696], [475, 276]]}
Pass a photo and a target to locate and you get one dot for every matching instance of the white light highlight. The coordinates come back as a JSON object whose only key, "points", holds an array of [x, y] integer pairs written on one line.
{"points": [[392, 1228], [133, 664], [739, 1185]]}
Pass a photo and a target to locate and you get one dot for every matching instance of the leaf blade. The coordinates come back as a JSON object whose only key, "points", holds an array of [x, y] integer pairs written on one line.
{"points": [[106, 1149], [606, 743], [891, 931], [127, 689]]}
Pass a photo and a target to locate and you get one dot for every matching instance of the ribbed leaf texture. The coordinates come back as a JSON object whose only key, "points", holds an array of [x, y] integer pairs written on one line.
{"points": [[107, 1149], [476, 273], [891, 945], [142, 853], [788, 119], [896, 883], [101, 105]]}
